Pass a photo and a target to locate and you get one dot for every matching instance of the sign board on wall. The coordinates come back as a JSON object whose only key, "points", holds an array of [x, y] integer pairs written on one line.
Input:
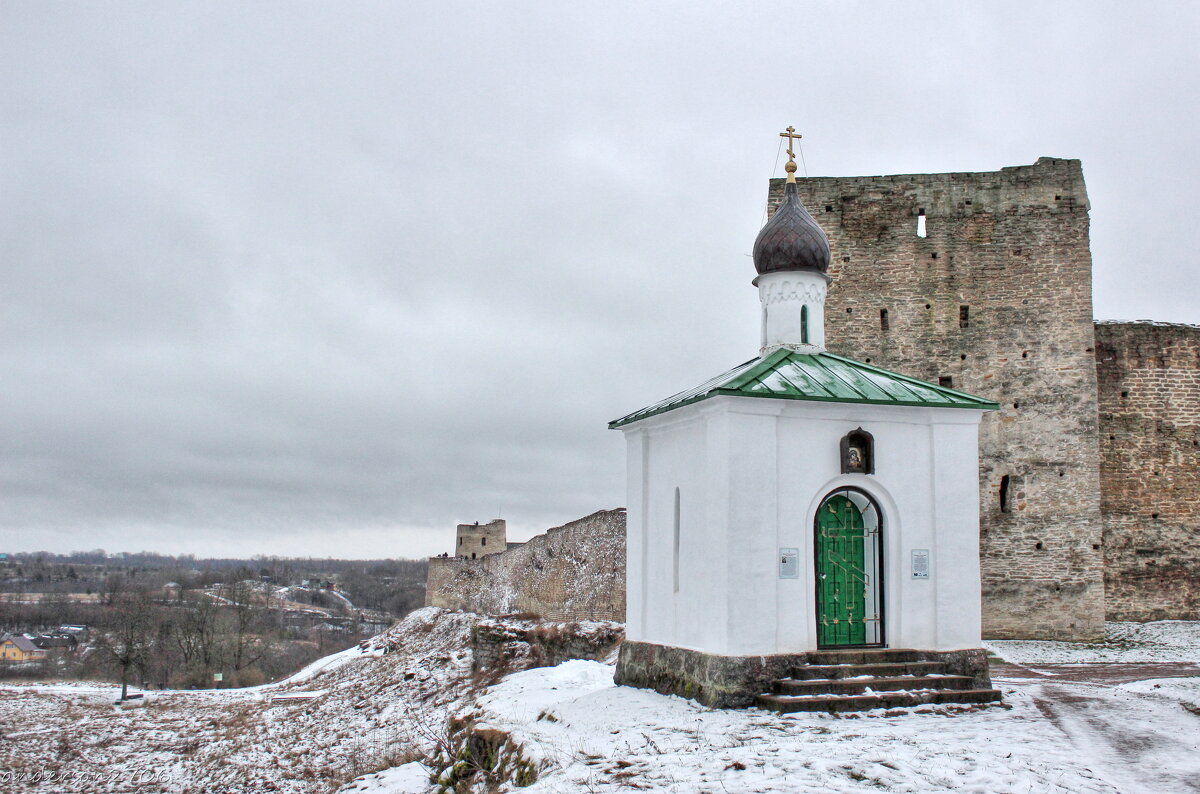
{"points": [[789, 563], [920, 563]]}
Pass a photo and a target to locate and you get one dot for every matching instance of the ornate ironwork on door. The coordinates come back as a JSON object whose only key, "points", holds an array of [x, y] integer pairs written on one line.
{"points": [[848, 565]]}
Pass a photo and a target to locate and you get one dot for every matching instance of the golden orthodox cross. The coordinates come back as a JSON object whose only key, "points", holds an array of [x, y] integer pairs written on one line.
{"points": [[790, 167], [791, 136]]}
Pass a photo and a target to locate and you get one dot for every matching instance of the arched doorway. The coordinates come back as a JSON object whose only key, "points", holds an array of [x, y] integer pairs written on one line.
{"points": [[849, 570]]}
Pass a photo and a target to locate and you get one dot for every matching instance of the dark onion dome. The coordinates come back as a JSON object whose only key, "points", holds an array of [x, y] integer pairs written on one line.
{"points": [[791, 240]]}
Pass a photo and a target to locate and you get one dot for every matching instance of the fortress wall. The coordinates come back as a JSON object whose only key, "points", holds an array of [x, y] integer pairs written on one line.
{"points": [[1149, 386], [572, 572], [997, 297]]}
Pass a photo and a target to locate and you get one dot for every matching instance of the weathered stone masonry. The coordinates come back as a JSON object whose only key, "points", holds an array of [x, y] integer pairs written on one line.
{"points": [[1149, 375], [572, 572], [478, 540], [995, 300]]}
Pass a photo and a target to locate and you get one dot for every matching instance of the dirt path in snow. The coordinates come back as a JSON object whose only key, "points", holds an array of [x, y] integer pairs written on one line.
{"points": [[1142, 745], [1100, 673]]}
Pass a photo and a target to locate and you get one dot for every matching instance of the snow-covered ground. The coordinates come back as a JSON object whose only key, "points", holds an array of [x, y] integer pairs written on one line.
{"points": [[413, 776], [1055, 738], [1054, 735], [600, 737], [375, 712], [1126, 643]]}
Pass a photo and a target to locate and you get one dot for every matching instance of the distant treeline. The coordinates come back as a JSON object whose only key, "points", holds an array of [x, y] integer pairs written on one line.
{"points": [[396, 586], [227, 635], [149, 559]]}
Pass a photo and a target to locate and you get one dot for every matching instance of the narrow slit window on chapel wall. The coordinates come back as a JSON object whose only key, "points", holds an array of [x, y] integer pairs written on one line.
{"points": [[1004, 494], [804, 325], [675, 565], [921, 223], [964, 316], [883, 320]]}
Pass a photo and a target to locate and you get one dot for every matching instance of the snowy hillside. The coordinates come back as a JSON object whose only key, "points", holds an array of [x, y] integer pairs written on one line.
{"points": [[360, 721], [358, 711]]}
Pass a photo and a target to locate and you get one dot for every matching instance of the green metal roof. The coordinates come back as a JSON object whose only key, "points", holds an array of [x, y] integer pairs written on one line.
{"points": [[784, 374]]}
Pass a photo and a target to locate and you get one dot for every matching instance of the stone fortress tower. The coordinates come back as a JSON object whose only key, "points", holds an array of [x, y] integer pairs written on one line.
{"points": [[983, 282], [479, 540]]}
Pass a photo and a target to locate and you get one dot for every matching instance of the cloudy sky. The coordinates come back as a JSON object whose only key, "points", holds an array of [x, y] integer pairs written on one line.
{"points": [[327, 278]]}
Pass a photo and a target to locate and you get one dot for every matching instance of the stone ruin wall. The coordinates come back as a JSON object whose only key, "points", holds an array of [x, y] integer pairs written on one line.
{"points": [[1149, 377], [573, 572], [1012, 248]]}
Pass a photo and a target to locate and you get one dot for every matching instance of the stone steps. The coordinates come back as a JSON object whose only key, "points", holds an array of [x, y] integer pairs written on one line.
{"points": [[880, 700], [840, 681], [883, 669], [857, 686], [866, 656]]}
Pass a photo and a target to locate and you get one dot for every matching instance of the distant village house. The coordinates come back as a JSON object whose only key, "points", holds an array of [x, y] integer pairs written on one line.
{"points": [[19, 648]]}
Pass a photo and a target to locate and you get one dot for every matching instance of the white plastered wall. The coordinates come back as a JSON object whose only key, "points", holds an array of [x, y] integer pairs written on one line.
{"points": [[751, 474], [792, 300]]}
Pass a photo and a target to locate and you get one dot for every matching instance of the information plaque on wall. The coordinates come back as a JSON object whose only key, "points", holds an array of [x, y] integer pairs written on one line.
{"points": [[789, 563], [920, 563]]}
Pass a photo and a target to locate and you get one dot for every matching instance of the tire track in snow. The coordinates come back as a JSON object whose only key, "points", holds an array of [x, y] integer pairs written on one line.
{"points": [[1142, 746]]}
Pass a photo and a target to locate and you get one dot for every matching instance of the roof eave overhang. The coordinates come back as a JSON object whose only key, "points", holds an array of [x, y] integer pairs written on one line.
{"points": [[637, 416]]}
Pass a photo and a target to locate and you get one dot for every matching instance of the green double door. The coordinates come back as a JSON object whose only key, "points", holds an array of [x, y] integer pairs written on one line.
{"points": [[847, 568]]}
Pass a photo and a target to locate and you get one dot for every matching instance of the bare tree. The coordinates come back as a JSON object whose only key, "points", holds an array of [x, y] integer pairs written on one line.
{"points": [[130, 638], [248, 648], [196, 632], [56, 609]]}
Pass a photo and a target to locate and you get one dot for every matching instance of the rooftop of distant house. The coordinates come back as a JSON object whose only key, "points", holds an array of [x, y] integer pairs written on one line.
{"points": [[21, 641]]}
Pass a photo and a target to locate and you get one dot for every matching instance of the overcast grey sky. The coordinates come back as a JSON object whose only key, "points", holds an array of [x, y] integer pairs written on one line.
{"points": [[328, 278]]}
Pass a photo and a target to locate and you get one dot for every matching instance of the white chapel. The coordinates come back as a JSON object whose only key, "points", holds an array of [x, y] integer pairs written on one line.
{"points": [[800, 506]]}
